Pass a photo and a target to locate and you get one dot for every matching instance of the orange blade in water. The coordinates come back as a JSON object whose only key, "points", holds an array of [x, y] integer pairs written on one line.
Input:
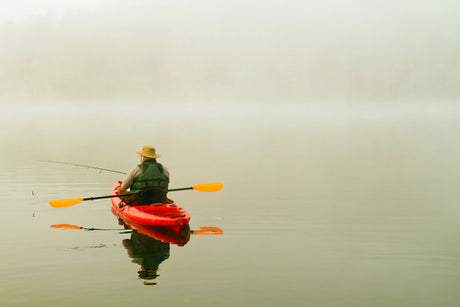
{"points": [[66, 226], [61, 203], [208, 231], [208, 187]]}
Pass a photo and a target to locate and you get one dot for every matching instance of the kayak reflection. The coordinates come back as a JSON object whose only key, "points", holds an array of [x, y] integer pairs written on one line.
{"points": [[175, 235]]}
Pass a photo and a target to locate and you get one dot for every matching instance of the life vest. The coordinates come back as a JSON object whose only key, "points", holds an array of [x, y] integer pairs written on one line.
{"points": [[152, 177]]}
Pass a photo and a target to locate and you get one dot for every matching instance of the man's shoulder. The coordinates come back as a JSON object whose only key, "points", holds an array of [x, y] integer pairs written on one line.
{"points": [[137, 170]]}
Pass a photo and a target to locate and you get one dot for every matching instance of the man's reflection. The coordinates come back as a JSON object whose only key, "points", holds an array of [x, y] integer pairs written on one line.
{"points": [[147, 252], [149, 246]]}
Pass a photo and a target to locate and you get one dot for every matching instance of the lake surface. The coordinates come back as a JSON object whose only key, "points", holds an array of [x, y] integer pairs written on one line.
{"points": [[334, 204]]}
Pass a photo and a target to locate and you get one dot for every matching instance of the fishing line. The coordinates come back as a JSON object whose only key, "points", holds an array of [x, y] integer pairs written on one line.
{"points": [[82, 165]]}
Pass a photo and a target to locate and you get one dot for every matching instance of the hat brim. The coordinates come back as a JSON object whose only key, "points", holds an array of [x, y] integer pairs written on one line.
{"points": [[148, 156]]}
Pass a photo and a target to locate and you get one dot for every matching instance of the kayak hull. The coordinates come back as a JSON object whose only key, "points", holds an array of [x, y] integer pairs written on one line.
{"points": [[164, 215]]}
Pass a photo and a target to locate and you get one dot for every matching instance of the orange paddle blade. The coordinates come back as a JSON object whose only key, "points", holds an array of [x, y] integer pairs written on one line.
{"points": [[66, 226], [208, 231], [61, 203], [208, 187]]}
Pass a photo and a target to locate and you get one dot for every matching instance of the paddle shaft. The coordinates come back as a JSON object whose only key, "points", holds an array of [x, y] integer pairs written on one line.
{"points": [[180, 189], [117, 195], [108, 196]]}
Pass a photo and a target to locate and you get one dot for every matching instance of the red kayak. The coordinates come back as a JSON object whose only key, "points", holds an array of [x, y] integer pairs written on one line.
{"points": [[169, 215]]}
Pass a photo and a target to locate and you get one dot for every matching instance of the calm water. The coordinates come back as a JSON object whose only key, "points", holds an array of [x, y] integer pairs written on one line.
{"points": [[323, 205]]}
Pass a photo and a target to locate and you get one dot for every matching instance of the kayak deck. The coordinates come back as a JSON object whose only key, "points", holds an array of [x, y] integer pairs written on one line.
{"points": [[151, 215]]}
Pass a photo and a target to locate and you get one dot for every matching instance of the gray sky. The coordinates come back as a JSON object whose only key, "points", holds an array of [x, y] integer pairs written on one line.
{"points": [[253, 50]]}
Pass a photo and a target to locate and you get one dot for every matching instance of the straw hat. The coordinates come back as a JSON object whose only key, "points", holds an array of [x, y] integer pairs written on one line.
{"points": [[148, 151]]}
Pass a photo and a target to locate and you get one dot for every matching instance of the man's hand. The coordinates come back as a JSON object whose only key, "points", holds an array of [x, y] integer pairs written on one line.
{"points": [[122, 190]]}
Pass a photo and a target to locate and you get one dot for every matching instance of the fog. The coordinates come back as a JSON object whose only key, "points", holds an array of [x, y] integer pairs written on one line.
{"points": [[333, 124], [272, 51]]}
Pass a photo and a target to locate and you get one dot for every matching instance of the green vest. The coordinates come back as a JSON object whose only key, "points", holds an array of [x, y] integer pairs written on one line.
{"points": [[152, 177]]}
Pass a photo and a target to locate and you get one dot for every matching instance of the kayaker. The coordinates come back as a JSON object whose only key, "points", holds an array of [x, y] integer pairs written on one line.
{"points": [[149, 180]]}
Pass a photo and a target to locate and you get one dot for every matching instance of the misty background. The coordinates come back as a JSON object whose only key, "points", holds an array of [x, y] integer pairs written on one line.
{"points": [[334, 126], [253, 82], [276, 51]]}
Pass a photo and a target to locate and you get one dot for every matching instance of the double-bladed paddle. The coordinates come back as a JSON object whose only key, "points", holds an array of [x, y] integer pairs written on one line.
{"points": [[205, 187]]}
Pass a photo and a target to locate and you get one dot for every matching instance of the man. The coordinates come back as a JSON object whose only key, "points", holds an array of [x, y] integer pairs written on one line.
{"points": [[149, 180]]}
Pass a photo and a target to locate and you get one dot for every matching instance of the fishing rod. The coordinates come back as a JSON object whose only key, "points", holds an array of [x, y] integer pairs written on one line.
{"points": [[82, 165]]}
